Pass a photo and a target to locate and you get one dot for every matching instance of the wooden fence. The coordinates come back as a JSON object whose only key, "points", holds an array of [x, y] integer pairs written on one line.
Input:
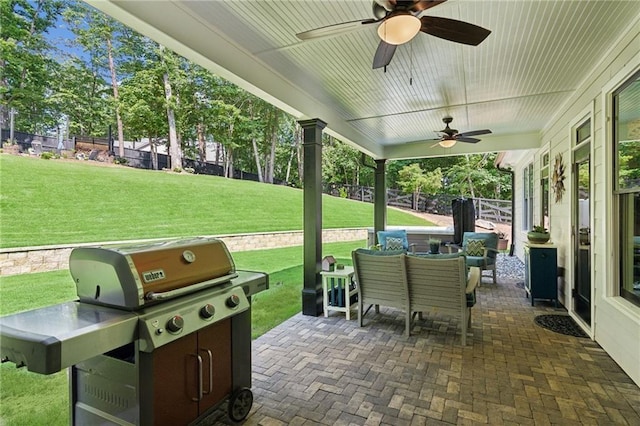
{"points": [[497, 211]]}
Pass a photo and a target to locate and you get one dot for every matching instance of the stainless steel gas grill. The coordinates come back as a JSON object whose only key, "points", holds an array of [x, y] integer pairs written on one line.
{"points": [[161, 334]]}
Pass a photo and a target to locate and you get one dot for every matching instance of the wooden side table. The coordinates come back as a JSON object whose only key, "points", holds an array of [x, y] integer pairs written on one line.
{"points": [[339, 282]]}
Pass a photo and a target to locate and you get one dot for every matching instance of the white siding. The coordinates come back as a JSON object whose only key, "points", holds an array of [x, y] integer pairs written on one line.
{"points": [[616, 322]]}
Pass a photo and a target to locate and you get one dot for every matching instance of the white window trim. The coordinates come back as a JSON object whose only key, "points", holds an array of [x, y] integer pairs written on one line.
{"points": [[610, 237]]}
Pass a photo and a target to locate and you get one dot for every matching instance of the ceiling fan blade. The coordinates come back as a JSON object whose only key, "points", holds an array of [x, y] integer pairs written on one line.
{"points": [[335, 29], [475, 133], [421, 5], [468, 140], [454, 30], [384, 54]]}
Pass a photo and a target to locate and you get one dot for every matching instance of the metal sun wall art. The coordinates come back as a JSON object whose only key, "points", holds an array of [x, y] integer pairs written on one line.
{"points": [[558, 178]]}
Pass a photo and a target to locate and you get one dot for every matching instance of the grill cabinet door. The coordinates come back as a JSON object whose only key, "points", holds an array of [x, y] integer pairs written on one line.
{"points": [[175, 382], [179, 369], [214, 347]]}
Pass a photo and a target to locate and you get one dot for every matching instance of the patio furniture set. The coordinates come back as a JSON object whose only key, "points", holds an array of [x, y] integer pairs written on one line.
{"points": [[393, 274]]}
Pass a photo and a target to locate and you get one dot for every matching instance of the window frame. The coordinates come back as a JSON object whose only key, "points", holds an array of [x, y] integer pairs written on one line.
{"points": [[626, 205], [545, 190], [527, 200]]}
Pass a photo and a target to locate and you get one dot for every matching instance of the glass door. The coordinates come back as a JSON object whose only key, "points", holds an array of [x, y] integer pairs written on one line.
{"points": [[581, 291]]}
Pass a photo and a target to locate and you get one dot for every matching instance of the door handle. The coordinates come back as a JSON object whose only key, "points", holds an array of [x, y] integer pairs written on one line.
{"points": [[210, 355], [200, 392]]}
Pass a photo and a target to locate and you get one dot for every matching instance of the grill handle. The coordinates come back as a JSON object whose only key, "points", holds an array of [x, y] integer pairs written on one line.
{"points": [[188, 289], [200, 393], [210, 355]]}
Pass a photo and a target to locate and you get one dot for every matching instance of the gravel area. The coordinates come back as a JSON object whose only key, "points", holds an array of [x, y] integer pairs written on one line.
{"points": [[509, 267]]}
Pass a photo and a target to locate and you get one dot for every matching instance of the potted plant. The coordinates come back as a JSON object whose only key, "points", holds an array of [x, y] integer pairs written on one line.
{"points": [[538, 235], [434, 246], [503, 242]]}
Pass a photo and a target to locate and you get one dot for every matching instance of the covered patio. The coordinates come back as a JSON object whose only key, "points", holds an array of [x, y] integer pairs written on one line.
{"points": [[330, 371], [548, 70]]}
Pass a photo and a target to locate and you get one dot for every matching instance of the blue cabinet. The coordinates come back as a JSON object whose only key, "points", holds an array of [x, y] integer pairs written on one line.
{"points": [[541, 272]]}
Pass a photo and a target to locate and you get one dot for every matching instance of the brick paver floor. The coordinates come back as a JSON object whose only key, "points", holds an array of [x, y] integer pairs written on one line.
{"points": [[328, 371]]}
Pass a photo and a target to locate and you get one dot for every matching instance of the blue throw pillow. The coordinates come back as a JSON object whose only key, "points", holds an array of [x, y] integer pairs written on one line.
{"points": [[384, 235]]}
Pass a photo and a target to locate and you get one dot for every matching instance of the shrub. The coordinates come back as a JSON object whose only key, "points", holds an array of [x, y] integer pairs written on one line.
{"points": [[120, 160], [47, 155], [177, 170]]}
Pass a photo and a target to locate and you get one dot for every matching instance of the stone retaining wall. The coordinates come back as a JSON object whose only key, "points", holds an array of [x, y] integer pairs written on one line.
{"points": [[27, 260]]}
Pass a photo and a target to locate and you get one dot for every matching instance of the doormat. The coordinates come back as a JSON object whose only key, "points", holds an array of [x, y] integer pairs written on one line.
{"points": [[562, 324]]}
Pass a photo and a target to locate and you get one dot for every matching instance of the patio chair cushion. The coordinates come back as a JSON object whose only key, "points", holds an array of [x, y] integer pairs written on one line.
{"points": [[383, 236], [475, 248], [380, 252], [438, 256]]}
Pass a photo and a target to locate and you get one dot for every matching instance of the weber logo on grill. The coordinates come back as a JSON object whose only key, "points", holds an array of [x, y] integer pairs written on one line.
{"points": [[151, 276]]}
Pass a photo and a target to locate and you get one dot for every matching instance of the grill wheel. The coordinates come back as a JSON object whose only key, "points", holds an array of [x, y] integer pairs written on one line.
{"points": [[240, 404]]}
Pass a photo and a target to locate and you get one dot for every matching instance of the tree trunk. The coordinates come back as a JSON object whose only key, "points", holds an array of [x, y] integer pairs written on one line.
{"points": [[288, 174], [256, 156], [202, 145], [116, 97], [274, 141], [174, 146], [154, 154], [228, 158]]}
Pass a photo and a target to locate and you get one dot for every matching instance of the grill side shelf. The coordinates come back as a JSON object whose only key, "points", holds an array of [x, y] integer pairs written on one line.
{"points": [[50, 339]]}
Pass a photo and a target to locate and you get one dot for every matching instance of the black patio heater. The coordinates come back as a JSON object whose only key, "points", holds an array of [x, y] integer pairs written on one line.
{"points": [[464, 218]]}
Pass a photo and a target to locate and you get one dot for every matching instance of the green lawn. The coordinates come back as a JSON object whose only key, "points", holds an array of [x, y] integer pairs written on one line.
{"points": [[33, 399], [46, 202], [64, 201]]}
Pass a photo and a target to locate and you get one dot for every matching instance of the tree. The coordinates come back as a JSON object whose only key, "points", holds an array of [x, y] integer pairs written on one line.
{"points": [[414, 180], [340, 163], [169, 62], [25, 68], [82, 97], [477, 177], [142, 105], [98, 35]]}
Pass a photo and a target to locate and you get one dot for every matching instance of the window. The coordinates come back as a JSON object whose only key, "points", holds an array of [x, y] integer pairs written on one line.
{"points": [[527, 202], [626, 157], [544, 190], [581, 175]]}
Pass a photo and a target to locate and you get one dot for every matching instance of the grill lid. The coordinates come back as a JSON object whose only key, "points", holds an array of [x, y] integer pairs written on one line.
{"points": [[136, 275]]}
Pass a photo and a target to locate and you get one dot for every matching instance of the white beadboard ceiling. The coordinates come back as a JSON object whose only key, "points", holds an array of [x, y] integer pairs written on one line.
{"points": [[513, 83]]}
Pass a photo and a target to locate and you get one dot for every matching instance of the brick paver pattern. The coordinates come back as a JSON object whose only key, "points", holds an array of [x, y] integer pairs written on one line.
{"points": [[327, 371]]}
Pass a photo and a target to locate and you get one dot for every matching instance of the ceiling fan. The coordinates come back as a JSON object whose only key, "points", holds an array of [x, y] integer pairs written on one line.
{"points": [[400, 22], [451, 136]]}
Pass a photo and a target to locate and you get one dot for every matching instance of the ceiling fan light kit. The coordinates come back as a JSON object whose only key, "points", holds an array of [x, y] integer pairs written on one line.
{"points": [[447, 143], [451, 136], [399, 28]]}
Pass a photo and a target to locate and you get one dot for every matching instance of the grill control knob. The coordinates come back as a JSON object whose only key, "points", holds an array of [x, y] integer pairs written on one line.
{"points": [[207, 311], [233, 301], [175, 324]]}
